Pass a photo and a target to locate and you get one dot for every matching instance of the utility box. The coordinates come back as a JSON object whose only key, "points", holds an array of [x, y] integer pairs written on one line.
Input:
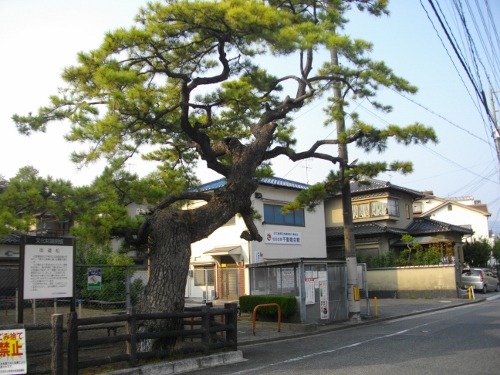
{"points": [[320, 286]]}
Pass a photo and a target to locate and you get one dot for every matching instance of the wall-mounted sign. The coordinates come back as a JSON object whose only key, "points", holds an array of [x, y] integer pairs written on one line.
{"points": [[310, 291], [278, 237], [286, 278], [323, 294], [94, 278]]}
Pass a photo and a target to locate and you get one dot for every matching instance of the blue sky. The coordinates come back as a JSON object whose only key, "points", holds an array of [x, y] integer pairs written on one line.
{"points": [[39, 38]]}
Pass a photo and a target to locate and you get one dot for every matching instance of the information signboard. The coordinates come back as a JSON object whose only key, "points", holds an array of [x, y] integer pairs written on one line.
{"points": [[48, 267]]}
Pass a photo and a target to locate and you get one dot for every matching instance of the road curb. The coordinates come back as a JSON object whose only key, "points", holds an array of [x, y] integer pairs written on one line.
{"points": [[184, 365]]}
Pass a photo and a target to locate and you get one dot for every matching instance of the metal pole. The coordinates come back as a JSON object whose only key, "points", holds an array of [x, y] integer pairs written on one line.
{"points": [[128, 303]]}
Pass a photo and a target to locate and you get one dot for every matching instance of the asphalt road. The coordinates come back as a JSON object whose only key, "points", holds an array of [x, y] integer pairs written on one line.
{"points": [[462, 340]]}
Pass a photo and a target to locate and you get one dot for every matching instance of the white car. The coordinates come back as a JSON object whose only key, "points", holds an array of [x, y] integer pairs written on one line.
{"points": [[481, 279]]}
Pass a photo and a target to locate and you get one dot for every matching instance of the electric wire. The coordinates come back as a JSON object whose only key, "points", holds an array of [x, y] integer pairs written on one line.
{"points": [[480, 93]]}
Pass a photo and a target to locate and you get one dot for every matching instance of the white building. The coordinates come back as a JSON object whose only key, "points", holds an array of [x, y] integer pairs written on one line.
{"points": [[217, 268], [462, 211]]}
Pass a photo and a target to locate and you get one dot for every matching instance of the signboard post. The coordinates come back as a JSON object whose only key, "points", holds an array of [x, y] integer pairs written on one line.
{"points": [[47, 269]]}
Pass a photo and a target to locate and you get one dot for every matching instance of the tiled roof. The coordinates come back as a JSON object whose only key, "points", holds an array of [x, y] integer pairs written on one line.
{"points": [[465, 198], [423, 225], [210, 185], [419, 226], [370, 185], [11, 239], [269, 181], [482, 207], [281, 182], [363, 230]]}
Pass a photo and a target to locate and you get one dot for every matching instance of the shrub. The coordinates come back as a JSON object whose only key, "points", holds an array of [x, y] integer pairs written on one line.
{"points": [[288, 305], [113, 278]]}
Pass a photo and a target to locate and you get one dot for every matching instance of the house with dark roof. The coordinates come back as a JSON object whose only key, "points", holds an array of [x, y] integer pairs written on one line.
{"points": [[461, 211], [217, 265], [382, 214], [9, 249]]}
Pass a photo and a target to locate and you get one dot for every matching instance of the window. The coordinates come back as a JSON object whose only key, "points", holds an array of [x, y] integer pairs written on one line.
{"points": [[364, 210], [273, 215], [417, 208], [355, 211], [204, 276], [378, 208], [393, 207]]}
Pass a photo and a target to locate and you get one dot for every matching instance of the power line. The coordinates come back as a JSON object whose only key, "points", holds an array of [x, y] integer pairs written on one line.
{"points": [[442, 117], [480, 93]]}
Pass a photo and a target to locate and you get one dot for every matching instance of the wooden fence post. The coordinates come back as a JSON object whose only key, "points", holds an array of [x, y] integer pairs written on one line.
{"points": [[56, 359], [205, 325], [72, 344], [131, 344], [232, 320]]}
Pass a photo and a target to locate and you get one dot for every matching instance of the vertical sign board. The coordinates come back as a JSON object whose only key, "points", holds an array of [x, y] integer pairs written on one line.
{"points": [[47, 267], [12, 352], [310, 291], [94, 278], [323, 294]]}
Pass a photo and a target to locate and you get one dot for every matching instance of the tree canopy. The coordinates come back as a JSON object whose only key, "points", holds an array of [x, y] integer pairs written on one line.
{"points": [[477, 253], [28, 196], [189, 83]]}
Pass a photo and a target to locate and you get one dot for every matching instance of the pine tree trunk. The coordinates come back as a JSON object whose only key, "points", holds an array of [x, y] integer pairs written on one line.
{"points": [[168, 274]]}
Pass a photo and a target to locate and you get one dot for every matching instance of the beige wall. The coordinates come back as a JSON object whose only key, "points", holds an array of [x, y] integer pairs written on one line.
{"points": [[412, 279]]}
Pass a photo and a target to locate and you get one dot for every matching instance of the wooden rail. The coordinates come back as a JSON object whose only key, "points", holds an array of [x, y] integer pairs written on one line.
{"points": [[203, 327], [266, 305]]}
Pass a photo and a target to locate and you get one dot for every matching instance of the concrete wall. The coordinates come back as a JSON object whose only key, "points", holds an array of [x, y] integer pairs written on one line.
{"points": [[420, 281]]}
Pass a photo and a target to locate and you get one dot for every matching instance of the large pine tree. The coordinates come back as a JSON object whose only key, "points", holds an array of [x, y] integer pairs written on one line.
{"points": [[190, 81]]}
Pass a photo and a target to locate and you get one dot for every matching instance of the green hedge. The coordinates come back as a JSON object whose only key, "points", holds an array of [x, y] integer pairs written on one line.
{"points": [[288, 305]]}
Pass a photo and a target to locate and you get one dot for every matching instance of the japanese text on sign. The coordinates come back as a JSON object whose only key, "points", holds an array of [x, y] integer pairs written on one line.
{"points": [[12, 352], [283, 238], [48, 271]]}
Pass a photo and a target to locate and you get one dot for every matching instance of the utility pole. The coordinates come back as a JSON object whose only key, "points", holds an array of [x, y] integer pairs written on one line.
{"points": [[349, 241], [496, 132]]}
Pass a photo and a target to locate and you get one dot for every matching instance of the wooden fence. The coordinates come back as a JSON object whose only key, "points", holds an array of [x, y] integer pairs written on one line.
{"points": [[204, 318], [203, 329]]}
